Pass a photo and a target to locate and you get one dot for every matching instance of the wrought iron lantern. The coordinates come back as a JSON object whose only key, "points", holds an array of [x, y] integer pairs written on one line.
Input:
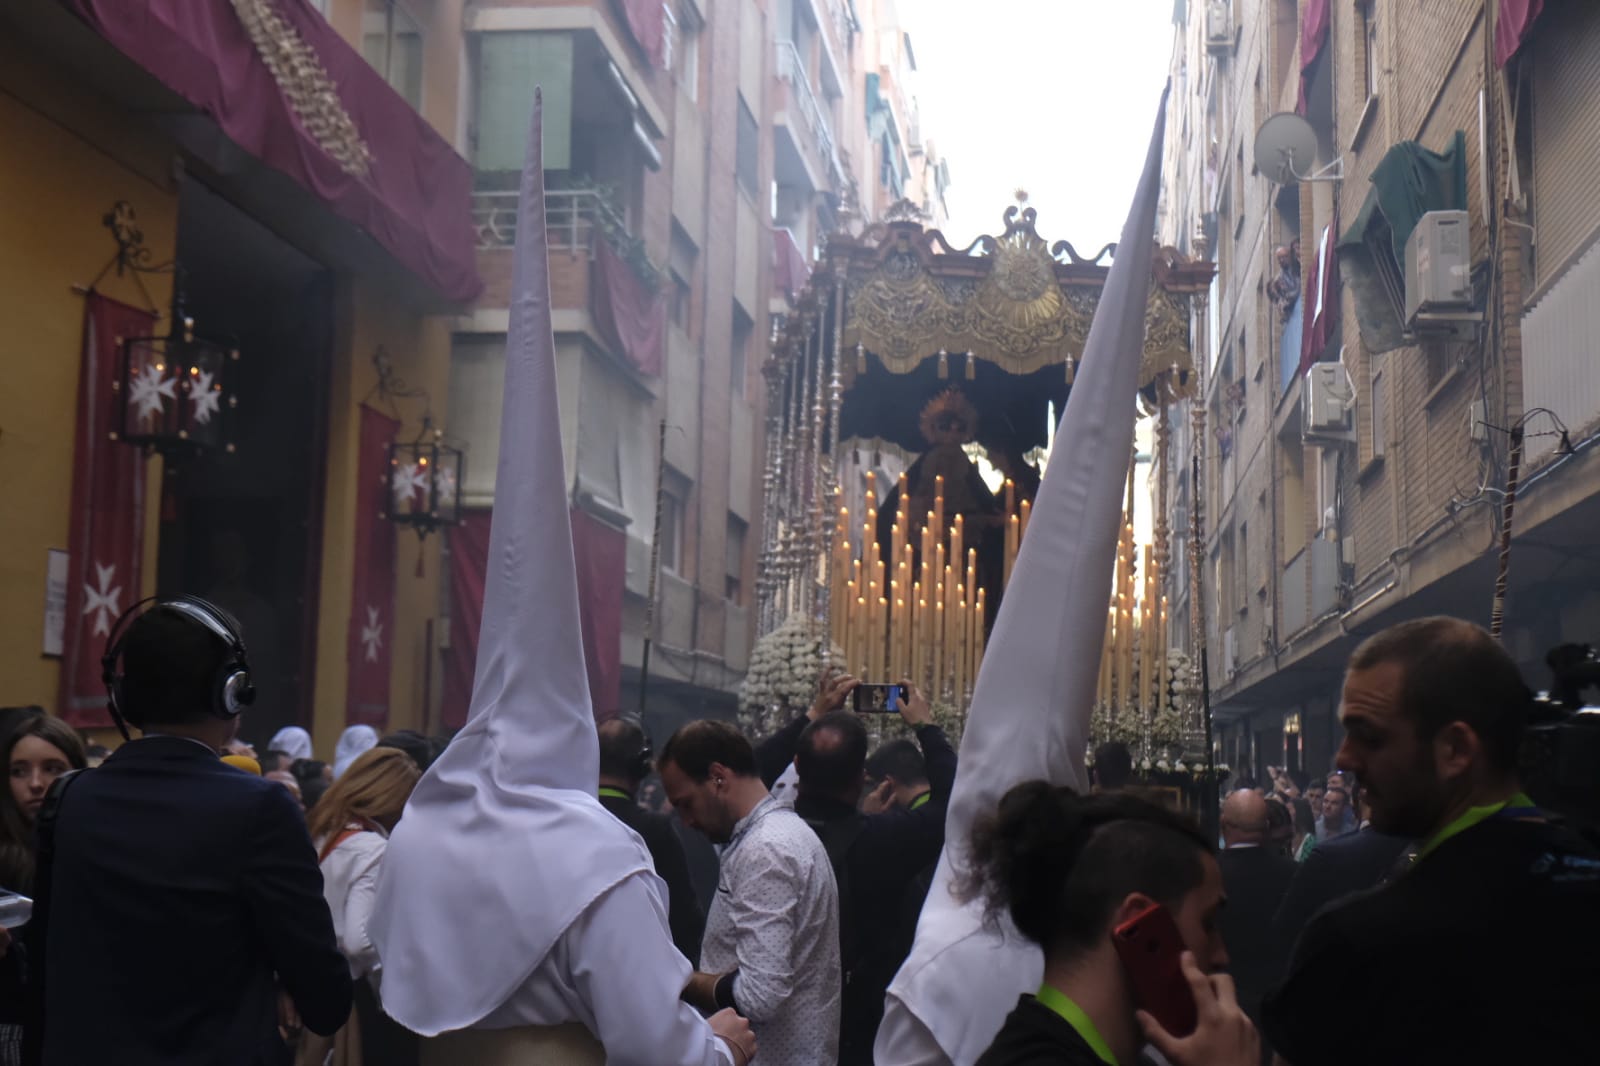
{"points": [[173, 392], [425, 477]]}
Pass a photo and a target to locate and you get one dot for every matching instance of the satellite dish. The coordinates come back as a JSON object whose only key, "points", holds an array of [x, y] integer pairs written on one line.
{"points": [[1286, 148]]}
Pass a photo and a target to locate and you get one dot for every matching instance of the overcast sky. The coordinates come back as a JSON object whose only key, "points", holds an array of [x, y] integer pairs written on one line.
{"points": [[1054, 96], [1057, 97]]}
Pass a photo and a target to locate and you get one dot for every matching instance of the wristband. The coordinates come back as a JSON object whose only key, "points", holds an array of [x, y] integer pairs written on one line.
{"points": [[722, 992]]}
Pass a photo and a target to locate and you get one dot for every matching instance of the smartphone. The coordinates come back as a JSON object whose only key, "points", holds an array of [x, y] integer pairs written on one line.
{"points": [[1149, 945], [878, 699]]}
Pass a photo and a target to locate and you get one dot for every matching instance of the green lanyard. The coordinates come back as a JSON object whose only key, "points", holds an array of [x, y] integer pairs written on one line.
{"points": [[1519, 803], [1073, 1015], [607, 792], [920, 801]]}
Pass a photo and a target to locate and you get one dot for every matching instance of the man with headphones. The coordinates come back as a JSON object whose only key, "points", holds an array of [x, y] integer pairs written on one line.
{"points": [[184, 915], [625, 761]]}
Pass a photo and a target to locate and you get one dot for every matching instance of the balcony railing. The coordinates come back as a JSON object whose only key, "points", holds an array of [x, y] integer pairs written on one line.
{"points": [[573, 218], [792, 69]]}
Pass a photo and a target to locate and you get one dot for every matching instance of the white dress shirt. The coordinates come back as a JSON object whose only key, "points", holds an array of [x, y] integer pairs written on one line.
{"points": [[775, 919], [616, 971], [349, 884]]}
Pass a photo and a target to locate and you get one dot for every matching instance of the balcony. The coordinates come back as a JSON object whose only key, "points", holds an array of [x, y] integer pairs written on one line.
{"points": [[813, 154], [597, 266]]}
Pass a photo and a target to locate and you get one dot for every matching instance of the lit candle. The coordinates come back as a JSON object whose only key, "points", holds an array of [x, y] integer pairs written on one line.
{"points": [[1013, 528], [1011, 496], [1027, 510]]}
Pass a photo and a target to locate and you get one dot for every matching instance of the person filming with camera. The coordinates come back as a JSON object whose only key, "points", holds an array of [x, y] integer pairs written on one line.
{"points": [[1482, 948]]}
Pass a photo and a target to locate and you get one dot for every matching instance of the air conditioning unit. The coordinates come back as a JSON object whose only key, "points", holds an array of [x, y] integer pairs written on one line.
{"points": [[1326, 399], [1219, 28], [1438, 274]]}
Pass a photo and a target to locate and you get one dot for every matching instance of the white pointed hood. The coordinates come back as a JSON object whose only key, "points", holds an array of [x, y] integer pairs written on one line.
{"points": [[1031, 704], [504, 843]]}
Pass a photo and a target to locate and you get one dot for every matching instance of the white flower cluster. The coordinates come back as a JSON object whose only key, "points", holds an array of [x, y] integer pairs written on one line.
{"points": [[782, 679]]}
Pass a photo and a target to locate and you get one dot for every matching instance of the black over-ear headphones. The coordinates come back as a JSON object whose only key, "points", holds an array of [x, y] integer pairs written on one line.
{"points": [[231, 692], [641, 763]]}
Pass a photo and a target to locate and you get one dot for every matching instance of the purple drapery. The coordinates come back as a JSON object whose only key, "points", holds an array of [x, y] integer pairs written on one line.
{"points": [[789, 270], [415, 198], [1313, 39], [1511, 29], [647, 21], [635, 317]]}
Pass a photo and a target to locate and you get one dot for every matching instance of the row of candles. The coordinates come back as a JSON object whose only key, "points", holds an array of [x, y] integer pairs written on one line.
{"points": [[919, 612], [1133, 659]]}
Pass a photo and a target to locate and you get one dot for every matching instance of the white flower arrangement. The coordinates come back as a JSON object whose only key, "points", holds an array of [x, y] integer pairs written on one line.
{"points": [[782, 678]]}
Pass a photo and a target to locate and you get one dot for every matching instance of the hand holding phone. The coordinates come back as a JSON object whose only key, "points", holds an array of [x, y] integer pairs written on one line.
{"points": [[1150, 948], [1223, 1035], [878, 699]]}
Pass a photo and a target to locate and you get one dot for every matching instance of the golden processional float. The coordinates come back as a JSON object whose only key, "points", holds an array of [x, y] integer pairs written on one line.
{"points": [[911, 399]]}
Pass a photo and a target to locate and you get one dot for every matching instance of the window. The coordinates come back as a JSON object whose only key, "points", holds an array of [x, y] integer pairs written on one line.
{"points": [[1244, 567], [737, 527], [674, 491], [681, 294], [747, 150], [509, 66], [1367, 19], [391, 40], [739, 353], [681, 48], [1380, 413]]}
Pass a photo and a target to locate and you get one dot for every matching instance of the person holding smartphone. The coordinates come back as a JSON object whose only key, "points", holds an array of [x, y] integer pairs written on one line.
{"points": [[1122, 895]]}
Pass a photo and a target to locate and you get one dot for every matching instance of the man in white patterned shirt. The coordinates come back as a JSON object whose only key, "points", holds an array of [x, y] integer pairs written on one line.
{"points": [[772, 935]]}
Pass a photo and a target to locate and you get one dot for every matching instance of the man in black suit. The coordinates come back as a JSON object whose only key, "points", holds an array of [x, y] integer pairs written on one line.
{"points": [[624, 763], [1254, 879], [1335, 869], [1483, 950], [877, 849], [185, 916]]}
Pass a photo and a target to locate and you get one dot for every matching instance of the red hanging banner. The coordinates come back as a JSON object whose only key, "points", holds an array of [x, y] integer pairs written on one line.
{"points": [[371, 637], [469, 562], [105, 539]]}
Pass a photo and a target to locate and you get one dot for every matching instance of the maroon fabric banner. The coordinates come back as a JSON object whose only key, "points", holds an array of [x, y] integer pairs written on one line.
{"points": [[789, 270], [469, 561], [414, 197], [601, 557], [105, 541], [1512, 27], [647, 21], [1313, 38], [634, 317], [601, 553], [1320, 313], [370, 644]]}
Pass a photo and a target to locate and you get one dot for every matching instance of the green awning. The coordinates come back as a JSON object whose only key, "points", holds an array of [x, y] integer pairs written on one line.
{"points": [[1407, 183]]}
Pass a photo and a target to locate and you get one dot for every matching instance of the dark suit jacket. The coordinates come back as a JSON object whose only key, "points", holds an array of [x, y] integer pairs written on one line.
{"points": [[1482, 952], [184, 893], [891, 849], [1255, 880], [1335, 869], [687, 921]]}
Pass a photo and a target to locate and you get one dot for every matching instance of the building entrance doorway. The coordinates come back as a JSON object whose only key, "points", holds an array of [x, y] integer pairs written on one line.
{"points": [[243, 529]]}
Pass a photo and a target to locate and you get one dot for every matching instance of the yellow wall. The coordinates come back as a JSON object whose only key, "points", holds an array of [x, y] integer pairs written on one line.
{"points": [[68, 159], [419, 348]]}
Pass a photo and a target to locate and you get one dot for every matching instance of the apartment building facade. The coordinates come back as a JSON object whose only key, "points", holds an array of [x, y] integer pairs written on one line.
{"points": [[698, 153], [1376, 491]]}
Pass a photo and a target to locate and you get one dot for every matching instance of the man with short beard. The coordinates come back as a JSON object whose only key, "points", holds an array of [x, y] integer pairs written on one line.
{"points": [[1484, 949]]}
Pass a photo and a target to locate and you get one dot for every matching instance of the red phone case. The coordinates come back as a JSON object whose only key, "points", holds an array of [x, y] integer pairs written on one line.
{"points": [[1149, 945]]}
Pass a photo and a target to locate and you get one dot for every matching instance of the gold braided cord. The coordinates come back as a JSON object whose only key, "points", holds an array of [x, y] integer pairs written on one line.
{"points": [[310, 92]]}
